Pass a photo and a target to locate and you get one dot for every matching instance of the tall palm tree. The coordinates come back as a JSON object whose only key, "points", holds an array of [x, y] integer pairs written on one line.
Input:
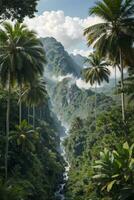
{"points": [[25, 137], [21, 58], [30, 71], [114, 36], [36, 94], [96, 73]]}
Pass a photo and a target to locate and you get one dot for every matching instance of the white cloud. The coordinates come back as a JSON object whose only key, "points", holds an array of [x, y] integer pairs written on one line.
{"points": [[112, 71], [67, 30], [61, 78], [83, 85], [82, 52]]}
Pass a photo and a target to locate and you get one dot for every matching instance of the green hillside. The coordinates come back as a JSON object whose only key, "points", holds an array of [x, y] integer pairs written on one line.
{"points": [[70, 102]]}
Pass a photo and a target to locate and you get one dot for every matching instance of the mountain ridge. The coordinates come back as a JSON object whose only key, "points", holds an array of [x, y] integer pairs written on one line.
{"points": [[67, 99], [59, 61]]}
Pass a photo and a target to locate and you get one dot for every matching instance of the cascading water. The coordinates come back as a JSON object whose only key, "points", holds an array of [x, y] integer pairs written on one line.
{"points": [[59, 194]]}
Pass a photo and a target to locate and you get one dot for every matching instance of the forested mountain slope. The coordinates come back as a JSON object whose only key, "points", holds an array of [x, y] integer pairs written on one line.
{"points": [[59, 61], [70, 102], [62, 70]]}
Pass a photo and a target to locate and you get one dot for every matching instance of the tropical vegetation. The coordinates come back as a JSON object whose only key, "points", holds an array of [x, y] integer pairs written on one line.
{"points": [[100, 146], [17, 9], [102, 156], [19, 56], [114, 172], [97, 72], [30, 164], [113, 38]]}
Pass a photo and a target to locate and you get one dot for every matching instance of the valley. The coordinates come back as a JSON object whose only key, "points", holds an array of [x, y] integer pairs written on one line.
{"points": [[72, 104], [67, 100]]}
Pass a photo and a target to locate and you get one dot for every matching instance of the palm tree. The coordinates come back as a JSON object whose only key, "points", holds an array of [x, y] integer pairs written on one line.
{"points": [[21, 58], [114, 36], [36, 94], [96, 73], [30, 71], [25, 137]]}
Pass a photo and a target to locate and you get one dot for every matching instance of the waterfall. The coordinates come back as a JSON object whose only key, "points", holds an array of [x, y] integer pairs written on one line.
{"points": [[59, 194]]}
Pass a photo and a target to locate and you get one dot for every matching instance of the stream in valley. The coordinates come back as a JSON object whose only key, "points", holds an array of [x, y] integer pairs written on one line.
{"points": [[59, 194]]}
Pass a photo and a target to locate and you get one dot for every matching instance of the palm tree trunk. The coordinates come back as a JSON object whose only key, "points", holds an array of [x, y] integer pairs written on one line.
{"points": [[95, 102], [7, 127], [33, 116], [122, 87], [115, 76], [116, 89], [20, 105]]}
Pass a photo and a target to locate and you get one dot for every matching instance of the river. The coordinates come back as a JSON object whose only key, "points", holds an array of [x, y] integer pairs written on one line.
{"points": [[59, 194]]}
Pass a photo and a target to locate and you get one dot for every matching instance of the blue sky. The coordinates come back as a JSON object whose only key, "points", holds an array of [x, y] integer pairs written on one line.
{"points": [[71, 8]]}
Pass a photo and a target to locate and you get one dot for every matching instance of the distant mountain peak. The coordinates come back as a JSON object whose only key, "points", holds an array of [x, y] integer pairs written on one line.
{"points": [[59, 61], [79, 59]]}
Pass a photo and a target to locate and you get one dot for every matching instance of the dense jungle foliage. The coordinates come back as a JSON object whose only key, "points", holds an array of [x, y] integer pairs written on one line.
{"points": [[35, 165], [101, 148], [100, 144], [30, 163], [14, 9], [95, 175]]}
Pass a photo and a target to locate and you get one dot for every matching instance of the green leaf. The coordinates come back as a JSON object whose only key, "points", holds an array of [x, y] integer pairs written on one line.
{"points": [[104, 187], [126, 146], [131, 150], [97, 166], [126, 177], [99, 176], [131, 164], [115, 153], [110, 185], [116, 175]]}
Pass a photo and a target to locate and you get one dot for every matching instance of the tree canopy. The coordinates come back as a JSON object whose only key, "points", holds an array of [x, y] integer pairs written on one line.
{"points": [[16, 9]]}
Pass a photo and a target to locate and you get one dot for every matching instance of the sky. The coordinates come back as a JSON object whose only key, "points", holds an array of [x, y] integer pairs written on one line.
{"points": [[65, 20], [71, 8]]}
